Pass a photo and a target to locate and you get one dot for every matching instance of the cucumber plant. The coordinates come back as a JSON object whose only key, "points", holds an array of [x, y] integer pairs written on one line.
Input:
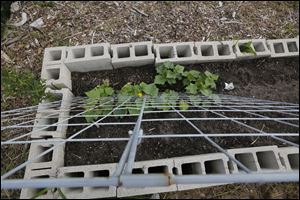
{"points": [[168, 72]]}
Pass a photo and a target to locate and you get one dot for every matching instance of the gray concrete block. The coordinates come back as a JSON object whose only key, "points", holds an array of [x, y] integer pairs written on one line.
{"points": [[214, 163], [257, 159], [54, 56], [88, 171], [163, 166], [57, 76], [259, 45], [178, 53], [47, 115], [214, 51], [132, 54], [86, 58], [284, 47], [289, 157]]}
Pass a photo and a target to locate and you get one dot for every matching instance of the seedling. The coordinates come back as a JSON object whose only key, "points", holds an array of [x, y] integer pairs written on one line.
{"points": [[168, 72], [247, 48]]}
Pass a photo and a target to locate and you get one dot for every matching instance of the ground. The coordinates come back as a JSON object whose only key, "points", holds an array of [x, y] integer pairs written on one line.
{"points": [[77, 23]]}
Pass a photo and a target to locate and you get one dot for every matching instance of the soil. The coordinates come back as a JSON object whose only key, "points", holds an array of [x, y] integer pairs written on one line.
{"points": [[271, 79]]}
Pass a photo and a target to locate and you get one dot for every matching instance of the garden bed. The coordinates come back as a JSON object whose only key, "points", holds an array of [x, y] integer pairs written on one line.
{"points": [[270, 79]]}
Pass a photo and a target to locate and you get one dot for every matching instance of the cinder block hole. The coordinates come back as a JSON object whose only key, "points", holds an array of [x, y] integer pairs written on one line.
{"points": [[246, 159], [278, 48], [242, 47], [259, 46], [294, 160], [166, 52], [141, 50], [175, 170], [55, 55], [292, 46], [44, 168], [42, 176], [78, 53], [214, 167], [74, 175], [97, 51], [184, 51], [158, 170], [207, 50], [138, 171], [267, 160], [51, 122], [123, 52], [223, 49], [101, 173], [191, 168], [53, 73], [45, 158]]}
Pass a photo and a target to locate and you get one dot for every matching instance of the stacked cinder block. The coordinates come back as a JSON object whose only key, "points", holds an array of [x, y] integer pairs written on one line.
{"points": [[132, 54], [284, 47], [86, 58], [178, 53], [289, 157]]}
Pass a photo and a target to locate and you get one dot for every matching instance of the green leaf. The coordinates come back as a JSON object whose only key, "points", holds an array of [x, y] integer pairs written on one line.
{"points": [[183, 105], [171, 74], [191, 89], [40, 193], [109, 91], [94, 93], [211, 75], [159, 80], [149, 89], [179, 69], [168, 65], [206, 92], [247, 48]]}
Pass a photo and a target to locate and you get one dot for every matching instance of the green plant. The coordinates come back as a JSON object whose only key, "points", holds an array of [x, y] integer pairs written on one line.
{"points": [[168, 72], [167, 99], [17, 85], [97, 97], [195, 82], [247, 48]]}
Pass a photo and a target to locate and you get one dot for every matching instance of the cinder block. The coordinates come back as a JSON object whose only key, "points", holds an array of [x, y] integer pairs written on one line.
{"points": [[132, 54], [257, 159], [214, 163], [284, 47], [163, 166], [47, 115], [57, 76], [88, 171], [289, 157], [215, 51], [259, 45], [54, 56], [28, 193], [86, 58], [178, 53]]}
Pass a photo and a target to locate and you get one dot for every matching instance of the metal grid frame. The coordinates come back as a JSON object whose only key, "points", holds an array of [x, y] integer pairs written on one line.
{"points": [[23, 118]]}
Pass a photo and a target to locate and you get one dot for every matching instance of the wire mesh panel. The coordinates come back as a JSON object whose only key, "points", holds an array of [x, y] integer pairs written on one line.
{"points": [[125, 130]]}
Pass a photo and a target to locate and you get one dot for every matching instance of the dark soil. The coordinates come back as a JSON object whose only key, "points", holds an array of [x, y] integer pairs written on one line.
{"points": [[276, 79]]}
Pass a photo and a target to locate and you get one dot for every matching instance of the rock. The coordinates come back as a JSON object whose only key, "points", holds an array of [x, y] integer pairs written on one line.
{"points": [[14, 7], [37, 23]]}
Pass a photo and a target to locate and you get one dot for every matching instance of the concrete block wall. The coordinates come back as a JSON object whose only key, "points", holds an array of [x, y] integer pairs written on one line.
{"points": [[86, 58], [132, 54], [284, 47]]}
